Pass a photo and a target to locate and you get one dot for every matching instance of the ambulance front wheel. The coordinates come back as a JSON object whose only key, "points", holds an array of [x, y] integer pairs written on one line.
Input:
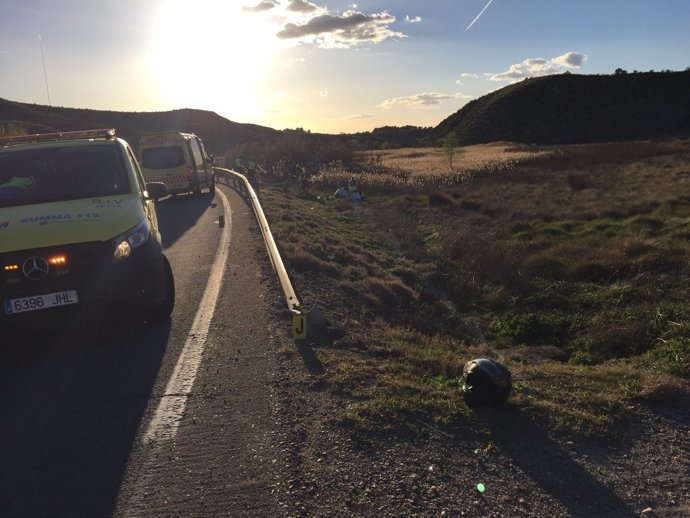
{"points": [[164, 308]]}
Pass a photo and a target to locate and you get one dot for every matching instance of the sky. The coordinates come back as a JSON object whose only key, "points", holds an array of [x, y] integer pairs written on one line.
{"points": [[321, 65]]}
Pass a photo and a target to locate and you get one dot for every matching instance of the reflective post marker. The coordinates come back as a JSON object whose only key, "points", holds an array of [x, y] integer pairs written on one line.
{"points": [[299, 327]]}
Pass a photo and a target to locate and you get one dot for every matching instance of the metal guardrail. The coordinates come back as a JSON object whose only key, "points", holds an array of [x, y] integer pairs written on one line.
{"points": [[277, 263]]}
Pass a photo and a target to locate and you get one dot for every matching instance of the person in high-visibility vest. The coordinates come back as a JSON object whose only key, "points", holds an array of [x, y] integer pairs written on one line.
{"points": [[16, 186], [303, 177], [351, 186], [238, 168], [251, 174]]}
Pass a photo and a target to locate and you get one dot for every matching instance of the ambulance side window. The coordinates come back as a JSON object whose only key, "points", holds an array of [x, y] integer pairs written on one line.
{"points": [[203, 152], [196, 152], [137, 170]]}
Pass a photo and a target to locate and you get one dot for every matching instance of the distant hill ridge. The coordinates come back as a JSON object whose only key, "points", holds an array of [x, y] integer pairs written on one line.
{"points": [[570, 108], [217, 132], [559, 109]]}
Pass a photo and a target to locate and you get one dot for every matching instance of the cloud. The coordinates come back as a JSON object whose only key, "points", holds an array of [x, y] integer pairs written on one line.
{"points": [[421, 100], [466, 75], [323, 93], [360, 116], [266, 5], [334, 31], [302, 6], [535, 67], [416, 19], [570, 59]]}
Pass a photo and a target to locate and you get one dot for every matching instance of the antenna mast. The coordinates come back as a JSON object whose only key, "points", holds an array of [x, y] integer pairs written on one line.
{"points": [[45, 75]]}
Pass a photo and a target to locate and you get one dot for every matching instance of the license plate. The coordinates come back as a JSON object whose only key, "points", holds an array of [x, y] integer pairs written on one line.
{"points": [[49, 300]]}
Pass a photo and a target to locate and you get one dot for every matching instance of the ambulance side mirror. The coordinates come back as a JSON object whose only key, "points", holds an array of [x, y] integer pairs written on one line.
{"points": [[156, 190]]}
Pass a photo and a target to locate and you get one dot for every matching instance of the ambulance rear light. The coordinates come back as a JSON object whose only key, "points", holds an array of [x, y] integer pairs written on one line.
{"points": [[62, 135]]}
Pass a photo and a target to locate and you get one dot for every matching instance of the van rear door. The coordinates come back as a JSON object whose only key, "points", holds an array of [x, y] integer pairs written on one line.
{"points": [[200, 163], [208, 163], [165, 159]]}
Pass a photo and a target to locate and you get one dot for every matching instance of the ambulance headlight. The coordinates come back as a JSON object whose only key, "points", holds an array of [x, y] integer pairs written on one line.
{"points": [[127, 243]]}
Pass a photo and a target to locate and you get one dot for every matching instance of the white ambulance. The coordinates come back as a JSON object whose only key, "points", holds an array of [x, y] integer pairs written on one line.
{"points": [[178, 160], [78, 228]]}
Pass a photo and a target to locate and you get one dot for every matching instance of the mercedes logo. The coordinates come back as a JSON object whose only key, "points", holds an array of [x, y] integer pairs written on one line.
{"points": [[35, 268]]}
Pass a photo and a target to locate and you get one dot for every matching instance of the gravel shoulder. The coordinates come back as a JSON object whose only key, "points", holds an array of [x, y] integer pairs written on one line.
{"points": [[526, 469]]}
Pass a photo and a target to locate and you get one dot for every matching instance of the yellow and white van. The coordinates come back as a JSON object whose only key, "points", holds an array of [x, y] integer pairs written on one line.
{"points": [[178, 160], [78, 229]]}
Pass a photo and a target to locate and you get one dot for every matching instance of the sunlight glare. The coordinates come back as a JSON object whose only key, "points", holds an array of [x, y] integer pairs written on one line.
{"points": [[211, 55]]}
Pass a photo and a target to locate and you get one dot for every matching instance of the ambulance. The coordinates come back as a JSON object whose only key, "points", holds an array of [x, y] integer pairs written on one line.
{"points": [[178, 160], [78, 229]]}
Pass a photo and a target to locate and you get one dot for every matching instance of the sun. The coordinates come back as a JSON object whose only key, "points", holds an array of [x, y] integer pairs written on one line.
{"points": [[210, 54]]}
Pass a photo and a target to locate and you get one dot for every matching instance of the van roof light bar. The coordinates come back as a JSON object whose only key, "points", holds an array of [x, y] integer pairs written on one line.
{"points": [[106, 133]]}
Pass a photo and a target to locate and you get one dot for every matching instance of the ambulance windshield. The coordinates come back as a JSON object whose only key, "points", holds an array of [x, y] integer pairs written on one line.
{"points": [[41, 175]]}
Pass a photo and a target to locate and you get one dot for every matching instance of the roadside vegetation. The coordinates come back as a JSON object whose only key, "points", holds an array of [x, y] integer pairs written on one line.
{"points": [[569, 264]]}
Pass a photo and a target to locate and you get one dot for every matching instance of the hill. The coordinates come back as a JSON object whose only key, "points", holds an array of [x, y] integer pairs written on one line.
{"points": [[571, 108], [560, 109], [217, 132]]}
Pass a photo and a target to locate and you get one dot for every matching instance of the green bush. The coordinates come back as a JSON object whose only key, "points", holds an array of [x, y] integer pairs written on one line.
{"points": [[532, 328], [581, 358], [672, 356]]}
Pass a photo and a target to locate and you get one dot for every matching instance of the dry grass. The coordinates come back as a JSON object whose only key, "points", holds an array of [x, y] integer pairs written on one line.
{"points": [[587, 399], [425, 167], [582, 250]]}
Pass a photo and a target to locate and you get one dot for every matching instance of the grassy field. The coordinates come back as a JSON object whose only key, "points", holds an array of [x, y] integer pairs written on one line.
{"points": [[569, 264], [420, 168]]}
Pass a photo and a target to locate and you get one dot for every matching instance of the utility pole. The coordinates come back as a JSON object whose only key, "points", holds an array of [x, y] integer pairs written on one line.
{"points": [[45, 74]]}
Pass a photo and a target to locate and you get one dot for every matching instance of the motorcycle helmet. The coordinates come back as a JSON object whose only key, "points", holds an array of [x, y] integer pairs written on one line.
{"points": [[485, 383]]}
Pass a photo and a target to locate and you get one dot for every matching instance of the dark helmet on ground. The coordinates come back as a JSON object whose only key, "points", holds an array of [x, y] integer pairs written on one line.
{"points": [[486, 383]]}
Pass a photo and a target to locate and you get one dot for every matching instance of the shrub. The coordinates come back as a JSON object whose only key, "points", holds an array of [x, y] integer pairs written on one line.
{"points": [[581, 358], [614, 334], [672, 356], [532, 328]]}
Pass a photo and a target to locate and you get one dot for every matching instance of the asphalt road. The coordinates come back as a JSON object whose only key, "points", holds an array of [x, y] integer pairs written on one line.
{"points": [[77, 398]]}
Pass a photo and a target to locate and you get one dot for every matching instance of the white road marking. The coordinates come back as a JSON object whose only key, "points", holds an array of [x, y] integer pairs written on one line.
{"points": [[164, 424]]}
